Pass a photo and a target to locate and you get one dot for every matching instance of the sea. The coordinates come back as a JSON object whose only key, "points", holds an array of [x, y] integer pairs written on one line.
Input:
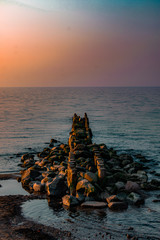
{"points": [[125, 118]]}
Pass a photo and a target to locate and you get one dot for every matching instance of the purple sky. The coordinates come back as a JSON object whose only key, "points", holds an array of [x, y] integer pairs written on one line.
{"points": [[119, 46]]}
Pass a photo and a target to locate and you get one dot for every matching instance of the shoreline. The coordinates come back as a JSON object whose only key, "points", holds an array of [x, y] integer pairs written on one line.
{"points": [[78, 174], [14, 226]]}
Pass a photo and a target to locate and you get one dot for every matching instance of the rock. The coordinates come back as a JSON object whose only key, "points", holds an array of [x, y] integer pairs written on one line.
{"points": [[120, 176], [27, 156], [57, 187], [94, 204], [48, 174], [113, 198], [52, 142], [114, 206], [46, 179], [28, 163], [91, 177], [143, 177], [30, 185], [131, 170], [135, 198], [80, 197], [70, 201], [43, 162], [80, 147], [38, 187], [72, 179], [130, 228], [123, 157], [109, 180], [84, 186], [156, 200], [125, 162], [149, 187], [44, 153], [29, 175], [119, 185], [122, 196], [88, 199], [39, 178], [132, 186], [101, 172], [104, 195], [155, 182], [18, 179]]}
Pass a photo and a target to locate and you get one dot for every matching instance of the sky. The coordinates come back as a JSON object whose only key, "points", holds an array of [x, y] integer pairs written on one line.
{"points": [[52, 43]]}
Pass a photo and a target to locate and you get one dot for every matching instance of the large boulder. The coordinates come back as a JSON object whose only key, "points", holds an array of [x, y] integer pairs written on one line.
{"points": [[28, 176], [57, 187], [70, 200], [85, 187]]}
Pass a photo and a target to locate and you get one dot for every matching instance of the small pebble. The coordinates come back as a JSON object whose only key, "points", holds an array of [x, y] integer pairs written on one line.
{"points": [[130, 228], [69, 234], [129, 236], [156, 200]]}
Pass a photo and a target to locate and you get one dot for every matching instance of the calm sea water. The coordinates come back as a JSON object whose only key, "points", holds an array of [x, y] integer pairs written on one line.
{"points": [[127, 119], [124, 118]]}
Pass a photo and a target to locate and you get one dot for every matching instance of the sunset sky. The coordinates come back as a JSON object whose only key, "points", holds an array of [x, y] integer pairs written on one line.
{"points": [[79, 43]]}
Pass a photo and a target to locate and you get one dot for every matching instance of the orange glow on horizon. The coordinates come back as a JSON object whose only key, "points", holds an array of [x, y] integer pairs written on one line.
{"points": [[39, 49]]}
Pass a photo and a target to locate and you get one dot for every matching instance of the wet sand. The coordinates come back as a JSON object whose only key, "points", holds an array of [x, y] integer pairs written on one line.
{"points": [[13, 226], [6, 176]]}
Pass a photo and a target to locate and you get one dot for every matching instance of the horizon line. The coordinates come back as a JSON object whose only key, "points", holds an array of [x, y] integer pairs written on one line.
{"points": [[81, 87]]}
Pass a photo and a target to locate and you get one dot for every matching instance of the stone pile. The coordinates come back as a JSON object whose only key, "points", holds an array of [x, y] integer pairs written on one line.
{"points": [[81, 172]]}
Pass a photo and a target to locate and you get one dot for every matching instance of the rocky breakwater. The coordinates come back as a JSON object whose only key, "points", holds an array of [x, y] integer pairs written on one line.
{"points": [[87, 174]]}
